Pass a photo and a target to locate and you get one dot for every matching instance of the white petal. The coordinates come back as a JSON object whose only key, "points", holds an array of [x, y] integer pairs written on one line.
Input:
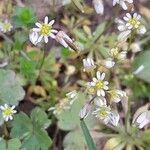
{"points": [[51, 22], [40, 38], [46, 39], [52, 36], [38, 24], [46, 20]]}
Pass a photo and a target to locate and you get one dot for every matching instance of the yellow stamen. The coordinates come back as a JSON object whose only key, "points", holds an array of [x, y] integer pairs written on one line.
{"points": [[99, 85], [45, 29], [7, 112]]}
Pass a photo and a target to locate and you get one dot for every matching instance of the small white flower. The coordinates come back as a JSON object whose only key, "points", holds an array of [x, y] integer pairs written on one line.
{"points": [[102, 113], [99, 6], [116, 54], [99, 85], [5, 26], [109, 63], [135, 47], [7, 112], [142, 120], [33, 36], [122, 3], [141, 30], [63, 38], [130, 23], [72, 96], [88, 64], [116, 95], [45, 30]]}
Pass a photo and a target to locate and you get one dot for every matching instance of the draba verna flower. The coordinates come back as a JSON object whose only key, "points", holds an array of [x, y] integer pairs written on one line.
{"points": [[116, 95], [116, 54], [5, 26], [88, 64], [63, 38], [45, 30], [143, 119], [33, 36], [106, 115], [98, 84], [72, 96], [7, 112], [99, 6], [102, 113], [128, 24], [122, 3], [60, 107], [109, 63]]}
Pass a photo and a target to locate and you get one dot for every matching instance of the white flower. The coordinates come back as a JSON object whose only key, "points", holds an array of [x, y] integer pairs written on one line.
{"points": [[7, 112], [100, 101], [99, 6], [5, 26], [72, 96], [63, 38], [122, 3], [102, 113], [130, 23], [88, 64], [45, 30], [33, 36], [135, 47], [109, 63], [106, 115], [98, 84], [141, 30], [116, 95], [116, 54], [143, 119]]}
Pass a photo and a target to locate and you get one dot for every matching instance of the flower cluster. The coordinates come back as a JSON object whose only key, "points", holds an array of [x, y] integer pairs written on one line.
{"points": [[98, 89], [45, 30], [7, 112], [131, 23]]}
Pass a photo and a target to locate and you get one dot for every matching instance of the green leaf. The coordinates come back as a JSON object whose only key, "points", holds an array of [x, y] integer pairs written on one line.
{"points": [[32, 131], [12, 144], [89, 140], [74, 140], [42, 118], [24, 16], [28, 68], [20, 38], [143, 61], [10, 84]]}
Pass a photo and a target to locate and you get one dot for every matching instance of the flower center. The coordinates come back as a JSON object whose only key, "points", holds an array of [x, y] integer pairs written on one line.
{"points": [[99, 85], [45, 29], [7, 112], [102, 114], [133, 22], [6, 26]]}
